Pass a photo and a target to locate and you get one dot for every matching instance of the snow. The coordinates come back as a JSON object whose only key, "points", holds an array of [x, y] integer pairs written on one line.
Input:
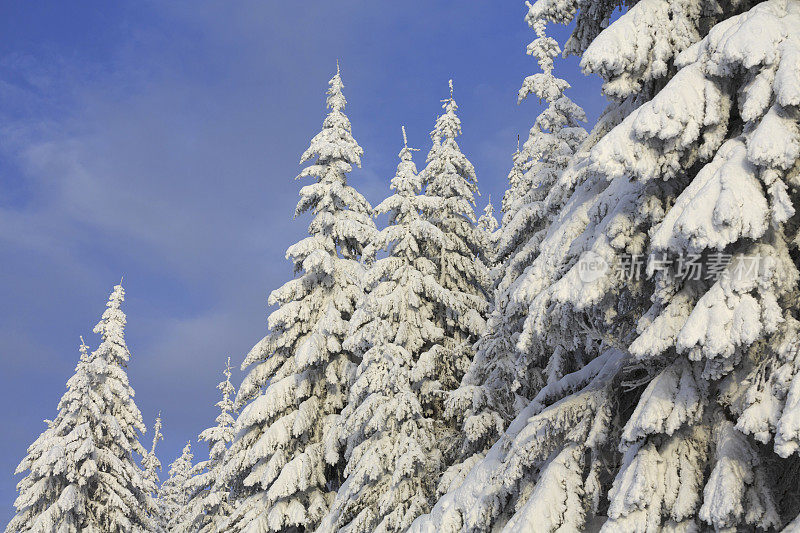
{"points": [[208, 504], [299, 372], [449, 373], [82, 472]]}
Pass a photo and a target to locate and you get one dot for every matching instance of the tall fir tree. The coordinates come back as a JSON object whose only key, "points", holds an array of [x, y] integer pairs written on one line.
{"points": [[173, 497], [299, 378], [82, 471], [450, 185], [503, 379], [672, 403], [209, 506], [389, 442]]}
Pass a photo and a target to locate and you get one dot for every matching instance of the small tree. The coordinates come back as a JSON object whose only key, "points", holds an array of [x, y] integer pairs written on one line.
{"points": [[150, 462], [174, 494], [488, 226], [152, 466], [208, 505]]}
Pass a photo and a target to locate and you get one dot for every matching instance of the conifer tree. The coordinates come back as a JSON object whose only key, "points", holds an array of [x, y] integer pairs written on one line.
{"points": [[487, 222], [298, 381], [518, 181], [390, 444], [173, 496], [208, 505], [450, 186], [671, 405], [82, 474], [489, 225], [151, 464], [503, 379]]}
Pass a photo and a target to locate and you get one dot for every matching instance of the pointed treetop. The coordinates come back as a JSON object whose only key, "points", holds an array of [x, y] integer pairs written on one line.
{"points": [[116, 297], [336, 100], [449, 104], [488, 211], [544, 84], [487, 222], [406, 180], [157, 430], [448, 125], [157, 436], [405, 153], [225, 404], [227, 388], [150, 462], [111, 328]]}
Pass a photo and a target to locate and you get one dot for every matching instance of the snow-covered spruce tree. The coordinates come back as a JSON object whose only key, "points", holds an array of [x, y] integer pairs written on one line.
{"points": [[42, 502], [150, 463], [517, 180], [390, 444], [692, 378], [276, 466], [208, 505], [487, 224], [173, 496], [503, 379], [82, 474], [151, 466], [450, 185]]}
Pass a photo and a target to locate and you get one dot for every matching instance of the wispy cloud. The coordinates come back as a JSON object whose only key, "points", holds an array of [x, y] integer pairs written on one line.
{"points": [[160, 142]]}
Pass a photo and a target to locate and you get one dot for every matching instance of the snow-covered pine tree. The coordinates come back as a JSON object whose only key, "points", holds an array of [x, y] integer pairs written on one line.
{"points": [[82, 474], [503, 379], [173, 496], [676, 398], [488, 225], [151, 466], [487, 222], [49, 496], [150, 463], [389, 443], [450, 185], [208, 505], [517, 180], [276, 465]]}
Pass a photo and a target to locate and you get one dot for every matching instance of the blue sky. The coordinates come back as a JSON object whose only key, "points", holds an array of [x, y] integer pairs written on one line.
{"points": [[159, 141]]}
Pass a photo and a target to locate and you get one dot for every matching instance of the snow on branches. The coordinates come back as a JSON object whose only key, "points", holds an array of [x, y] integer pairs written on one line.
{"points": [[299, 375], [82, 472]]}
